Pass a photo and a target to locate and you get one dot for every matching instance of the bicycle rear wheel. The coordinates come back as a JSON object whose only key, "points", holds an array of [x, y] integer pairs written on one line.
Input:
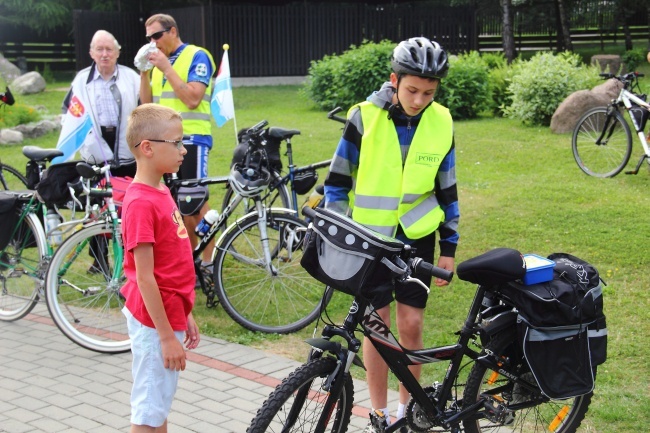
{"points": [[281, 299], [298, 402], [558, 416], [82, 289], [276, 197], [22, 268], [11, 179], [609, 155]]}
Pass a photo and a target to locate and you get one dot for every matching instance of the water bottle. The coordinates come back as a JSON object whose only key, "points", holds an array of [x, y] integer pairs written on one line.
{"points": [[52, 221], [209, 218]]}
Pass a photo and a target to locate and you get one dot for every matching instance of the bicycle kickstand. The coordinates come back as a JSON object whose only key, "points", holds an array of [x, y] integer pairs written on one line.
{"points": [[638, 165]]}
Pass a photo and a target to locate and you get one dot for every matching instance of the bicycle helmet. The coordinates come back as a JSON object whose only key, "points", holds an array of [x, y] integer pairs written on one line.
{"points": [[248, 181], [421, 57]]}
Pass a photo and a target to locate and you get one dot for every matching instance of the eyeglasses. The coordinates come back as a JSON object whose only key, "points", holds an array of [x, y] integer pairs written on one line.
{"points": [[178, 143], [100, 50], [157, 35]]}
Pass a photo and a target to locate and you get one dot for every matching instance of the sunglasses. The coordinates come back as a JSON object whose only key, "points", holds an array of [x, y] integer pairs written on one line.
{"points": [[178, 143], [157, 35]]}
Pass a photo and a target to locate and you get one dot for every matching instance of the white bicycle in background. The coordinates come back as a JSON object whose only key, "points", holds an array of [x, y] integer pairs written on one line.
{"points": [[602, 138]]}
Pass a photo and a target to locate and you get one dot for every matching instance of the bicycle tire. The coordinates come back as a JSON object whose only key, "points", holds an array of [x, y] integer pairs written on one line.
{"points": [[82, 289], [606, 159], [252, 297], [11, 179], [291, 395], [536, 419], [21, 268], [278, 197]]}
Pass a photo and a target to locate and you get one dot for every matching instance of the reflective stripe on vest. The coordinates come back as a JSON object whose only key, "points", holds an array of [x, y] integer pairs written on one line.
{"points": [[195, 121], [385, 194]]}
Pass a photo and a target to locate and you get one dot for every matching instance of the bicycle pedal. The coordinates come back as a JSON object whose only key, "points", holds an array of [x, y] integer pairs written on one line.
{"points": [[378, 421]]}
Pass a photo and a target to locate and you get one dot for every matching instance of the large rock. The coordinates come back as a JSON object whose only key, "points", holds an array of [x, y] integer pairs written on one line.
{"points": [[31, 82], [566, 116], [610, 63], [36, 129], [9, 136], [8, 71]]}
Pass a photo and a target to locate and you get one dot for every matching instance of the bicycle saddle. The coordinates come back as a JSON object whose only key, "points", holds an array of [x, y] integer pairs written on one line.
{"points": [[497, 266], [282, 134], [36, 153]]}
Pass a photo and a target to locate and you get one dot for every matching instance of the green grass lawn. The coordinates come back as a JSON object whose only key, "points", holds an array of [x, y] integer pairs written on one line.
{"points": [[519, 187]]}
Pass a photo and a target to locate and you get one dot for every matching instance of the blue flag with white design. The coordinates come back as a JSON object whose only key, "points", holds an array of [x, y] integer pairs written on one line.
{"points": [[222, 105]]}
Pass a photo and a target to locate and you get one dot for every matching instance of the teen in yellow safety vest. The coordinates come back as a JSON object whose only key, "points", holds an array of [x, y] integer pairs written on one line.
{"points": [[394, 171]]}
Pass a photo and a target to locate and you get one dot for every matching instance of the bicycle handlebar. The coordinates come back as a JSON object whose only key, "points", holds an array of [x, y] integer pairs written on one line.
{"points": [[332, 115]]}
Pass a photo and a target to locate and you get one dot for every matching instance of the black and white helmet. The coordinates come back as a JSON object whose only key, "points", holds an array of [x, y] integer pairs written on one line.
{"points": [[421, 57], [249, 181]]}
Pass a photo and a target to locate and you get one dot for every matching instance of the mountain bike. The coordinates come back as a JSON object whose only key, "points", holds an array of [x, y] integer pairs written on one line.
{"points": [[602, 139], [256, 274], [85, 274], [499, 394], [284, 188]]}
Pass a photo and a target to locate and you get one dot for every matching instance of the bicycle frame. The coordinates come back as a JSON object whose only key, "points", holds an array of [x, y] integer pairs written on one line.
{"points": [[399, 359], [627, 99]]}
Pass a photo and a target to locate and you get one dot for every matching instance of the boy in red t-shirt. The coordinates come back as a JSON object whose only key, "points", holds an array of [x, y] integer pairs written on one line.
{"points": [[159, 268]]}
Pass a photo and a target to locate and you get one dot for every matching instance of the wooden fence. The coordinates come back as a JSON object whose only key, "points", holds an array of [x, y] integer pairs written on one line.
{"points": [[283, 40]]}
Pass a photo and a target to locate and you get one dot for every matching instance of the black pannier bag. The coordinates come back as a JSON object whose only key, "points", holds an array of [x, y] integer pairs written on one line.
{"points": [[190, 200], [53, 187], [303, 182], [272, 149], [345, 255], [8, 217], [562, 327]]}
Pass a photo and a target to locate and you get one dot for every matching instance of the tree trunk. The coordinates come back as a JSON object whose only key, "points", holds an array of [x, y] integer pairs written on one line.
{"points": [[565, 25], [507, 32]]}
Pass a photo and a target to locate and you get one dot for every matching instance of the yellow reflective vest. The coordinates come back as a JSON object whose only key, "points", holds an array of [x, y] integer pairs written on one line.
{"points": [[195, 121], [386, 194]]}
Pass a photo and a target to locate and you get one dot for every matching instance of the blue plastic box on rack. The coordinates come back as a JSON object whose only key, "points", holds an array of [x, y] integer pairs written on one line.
{"points": [[538, 269]]}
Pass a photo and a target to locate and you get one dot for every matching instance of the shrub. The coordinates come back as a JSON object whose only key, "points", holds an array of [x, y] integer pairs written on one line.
{"points": [[17, 114], [349, 78], [499, 81], [465, 90], [633, 58], [538, 86]]}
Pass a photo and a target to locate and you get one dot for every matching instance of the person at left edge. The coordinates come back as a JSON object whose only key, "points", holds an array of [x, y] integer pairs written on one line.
{"points": [[181, 78], [111, 92]]}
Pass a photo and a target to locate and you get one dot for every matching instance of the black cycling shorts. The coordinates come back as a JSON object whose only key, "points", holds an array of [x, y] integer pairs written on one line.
{"points": [[411, 294]]}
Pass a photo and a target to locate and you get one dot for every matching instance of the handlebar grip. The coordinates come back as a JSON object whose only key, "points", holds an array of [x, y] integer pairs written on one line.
{"points": [[427, 268], [255, 129], [308, 212], [100, 193]]}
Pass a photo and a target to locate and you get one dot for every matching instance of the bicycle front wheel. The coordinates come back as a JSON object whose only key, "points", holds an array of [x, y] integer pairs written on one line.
{"points": [[515, 406], [277, 297], [22, 268], [83, 289], [11, 179], [602, 142], [298, 402]]}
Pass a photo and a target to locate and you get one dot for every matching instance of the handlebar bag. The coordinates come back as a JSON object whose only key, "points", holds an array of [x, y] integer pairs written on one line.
{"points": [[346, 255], [8, 217]]}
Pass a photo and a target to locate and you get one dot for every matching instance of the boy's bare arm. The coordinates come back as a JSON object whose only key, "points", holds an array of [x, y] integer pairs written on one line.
{"points": [[172, 349]]}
